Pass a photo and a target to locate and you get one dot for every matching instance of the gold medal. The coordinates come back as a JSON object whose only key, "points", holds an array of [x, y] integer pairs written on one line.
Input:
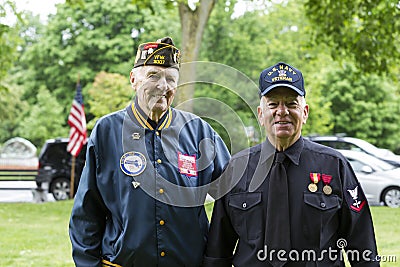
{"points": [[314, 177], [327, 189], [312, 187]]}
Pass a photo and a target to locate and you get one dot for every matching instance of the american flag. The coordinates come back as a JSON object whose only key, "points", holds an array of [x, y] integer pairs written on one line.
{"points": [[77, 122]]}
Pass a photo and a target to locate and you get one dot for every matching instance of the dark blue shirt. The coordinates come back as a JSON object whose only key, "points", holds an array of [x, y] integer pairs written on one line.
{"points": [[320, 221]]}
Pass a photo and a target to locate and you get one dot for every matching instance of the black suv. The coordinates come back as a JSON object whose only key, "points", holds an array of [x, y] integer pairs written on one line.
{"points": [[55, 167]]}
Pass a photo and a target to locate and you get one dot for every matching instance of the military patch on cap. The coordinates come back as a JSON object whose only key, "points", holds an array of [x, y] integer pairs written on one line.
{"points": [[161, 53], [280, 75]]}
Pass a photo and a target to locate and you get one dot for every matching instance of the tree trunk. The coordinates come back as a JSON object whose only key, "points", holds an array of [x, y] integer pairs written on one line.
{"points": [[193, 23]]}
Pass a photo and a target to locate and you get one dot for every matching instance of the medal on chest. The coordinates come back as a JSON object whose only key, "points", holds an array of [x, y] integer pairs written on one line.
{"points": [[314, 177], [327, 189]]}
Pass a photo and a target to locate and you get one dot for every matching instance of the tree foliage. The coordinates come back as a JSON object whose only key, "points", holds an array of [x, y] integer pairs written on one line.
{"points": [[11, 108], [108, 93], [369, 31], [86, 39], [44, 120], [9, 40], [364, 106]]}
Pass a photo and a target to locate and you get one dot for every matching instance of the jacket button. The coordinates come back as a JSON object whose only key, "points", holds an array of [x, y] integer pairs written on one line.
{"points": [[162, 222], [244, 205], [162, 253], [159, 161], [323, 205], [161, 191]]}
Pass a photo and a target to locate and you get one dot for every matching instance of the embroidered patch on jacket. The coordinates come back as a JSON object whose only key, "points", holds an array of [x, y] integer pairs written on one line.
{"points": [[187, 164], [133, 163], [355, 198]]}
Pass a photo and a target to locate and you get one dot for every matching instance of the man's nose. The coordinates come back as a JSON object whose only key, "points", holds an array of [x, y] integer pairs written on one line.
{"points": [[282, 110], [162, 84]]}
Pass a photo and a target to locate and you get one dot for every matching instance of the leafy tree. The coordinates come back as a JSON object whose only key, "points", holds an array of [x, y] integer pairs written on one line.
{"points": [[11, 108], [9, 41], [44, 120], [364, 106], [81, 39], [86, 40], [369, 31], [108, 93]]}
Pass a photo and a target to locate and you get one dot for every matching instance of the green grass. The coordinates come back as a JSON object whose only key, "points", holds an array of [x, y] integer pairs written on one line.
{"points": [[37, 234], [387, 231]]}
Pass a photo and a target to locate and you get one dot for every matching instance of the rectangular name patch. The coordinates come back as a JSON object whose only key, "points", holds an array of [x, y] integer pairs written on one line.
{"points": [[187, 164]]}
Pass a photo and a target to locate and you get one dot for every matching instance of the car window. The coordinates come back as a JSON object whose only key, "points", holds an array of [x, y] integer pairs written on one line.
{"points": [[343, 145], [55, 151], [356, 165], [355, 148], [327, 143]]}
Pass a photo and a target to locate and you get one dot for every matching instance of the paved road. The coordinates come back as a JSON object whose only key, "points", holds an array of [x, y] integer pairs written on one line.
{"points": [[22, 191]]}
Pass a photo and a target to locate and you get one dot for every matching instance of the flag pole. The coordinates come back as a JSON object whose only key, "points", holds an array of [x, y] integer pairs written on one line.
{"points": [[73, 159], [72, 185]]}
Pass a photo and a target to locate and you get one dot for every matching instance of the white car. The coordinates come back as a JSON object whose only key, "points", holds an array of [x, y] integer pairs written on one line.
{"points": [[356, 144], [379, 180]]}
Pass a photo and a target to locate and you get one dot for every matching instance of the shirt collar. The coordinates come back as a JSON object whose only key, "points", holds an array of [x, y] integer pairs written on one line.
{"points": [[148, 123], [293, 152]]}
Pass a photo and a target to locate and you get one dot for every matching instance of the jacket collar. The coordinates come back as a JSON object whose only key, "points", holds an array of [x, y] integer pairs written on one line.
{"points": [[148, 123]]}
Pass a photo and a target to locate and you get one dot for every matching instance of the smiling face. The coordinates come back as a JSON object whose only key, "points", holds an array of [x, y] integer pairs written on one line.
{"points": [[282, 112], [155, 88]]}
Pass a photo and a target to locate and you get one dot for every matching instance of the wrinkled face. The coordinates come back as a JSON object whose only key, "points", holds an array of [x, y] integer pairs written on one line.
{"points": [[283, 112], [155, 88]]}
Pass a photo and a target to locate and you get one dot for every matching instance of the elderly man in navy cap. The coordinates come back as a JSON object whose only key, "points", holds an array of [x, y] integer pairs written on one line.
{"points": [[293, 202], [140, 198]]}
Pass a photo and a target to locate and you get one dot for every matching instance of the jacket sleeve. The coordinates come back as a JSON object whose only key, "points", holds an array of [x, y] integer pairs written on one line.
{"points": [[222, 157], [357, 235], [88, 215], [222, 238]]}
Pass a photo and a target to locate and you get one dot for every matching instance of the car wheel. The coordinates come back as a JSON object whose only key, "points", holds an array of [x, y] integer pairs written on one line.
{"points": [[60, 188], [391, 197]]}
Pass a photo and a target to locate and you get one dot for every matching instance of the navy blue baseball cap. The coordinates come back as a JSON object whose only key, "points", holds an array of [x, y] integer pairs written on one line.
{"points": [[281, 75]]}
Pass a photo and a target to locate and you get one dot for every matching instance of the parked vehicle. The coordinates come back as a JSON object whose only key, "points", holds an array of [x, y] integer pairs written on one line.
{"points": [[355, 144], [55, 167], [379, 180]]}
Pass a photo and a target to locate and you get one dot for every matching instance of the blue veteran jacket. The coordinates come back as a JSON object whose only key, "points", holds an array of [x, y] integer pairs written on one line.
{"points": [[141, 193], [322, 222]]}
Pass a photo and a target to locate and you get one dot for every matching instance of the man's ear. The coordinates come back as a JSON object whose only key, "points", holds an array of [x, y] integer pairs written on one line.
{"points": [[305, 113], [132, 80], [260, 115], [132, 77]]}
